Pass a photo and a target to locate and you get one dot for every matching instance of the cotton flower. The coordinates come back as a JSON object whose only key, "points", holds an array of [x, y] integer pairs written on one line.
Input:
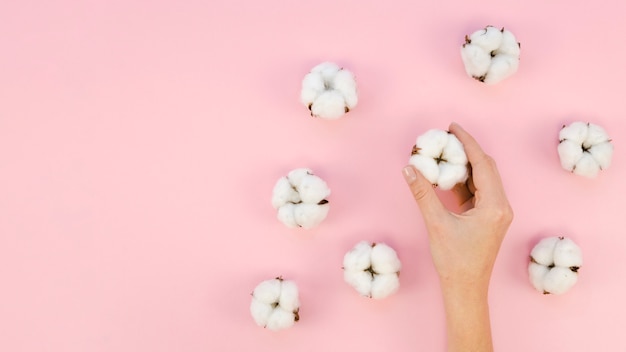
{"points": [[441, 158], [300, 199], [275, 304], [490, 54], [372, 269], [554, 265], [584, 149], [329, 91]]}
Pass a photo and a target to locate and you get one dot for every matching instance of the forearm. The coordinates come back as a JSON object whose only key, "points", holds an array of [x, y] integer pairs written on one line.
{"points": [[467, 317]]}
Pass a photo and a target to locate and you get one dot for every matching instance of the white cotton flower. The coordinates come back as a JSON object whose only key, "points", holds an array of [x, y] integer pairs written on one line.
{"points": [[490, 54], [554, 265], [584, 149], [300, 198], [372, 269], [441, 158], [275, 304], [329, 91]]}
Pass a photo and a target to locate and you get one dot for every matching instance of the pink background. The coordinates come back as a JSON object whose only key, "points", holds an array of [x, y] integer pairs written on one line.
{"points": [[140, 141]]}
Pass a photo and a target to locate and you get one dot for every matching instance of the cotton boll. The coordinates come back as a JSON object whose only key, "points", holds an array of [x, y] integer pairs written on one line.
{"points": [[329, 91], [559, 280], [490, 55], [385, 285], [384, 259], [584, 149], [372, 269], [554, 265], [300, 199], [569, 154], [359, 257], [275, 304], [440, 158], [361, 281]]}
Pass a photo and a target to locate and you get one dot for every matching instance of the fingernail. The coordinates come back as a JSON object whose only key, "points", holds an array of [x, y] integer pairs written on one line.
{"points": [[409, 174]]}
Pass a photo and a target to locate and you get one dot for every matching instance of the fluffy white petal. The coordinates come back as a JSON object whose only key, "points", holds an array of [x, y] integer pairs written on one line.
{"points": [[432, 143], [543, 252], [450, 175], [454, 152], [587, 166], [427, 166], [297, 175], [476, 60], [312, 87], [559, 280], [361, 281], [310, 215], [537, 273], [284, 193], [329, 105], [327, 70], [287, 215], [359, 257], [384, 285], [289, 299], [575, 132], [509, 45], [595, 135], [260, 312], [488, 39], [502, 66], [268, 291], [312, 189], [567, 254], [345, 83], [280, 319], [602, 153], [384, 259], [569, 154]]}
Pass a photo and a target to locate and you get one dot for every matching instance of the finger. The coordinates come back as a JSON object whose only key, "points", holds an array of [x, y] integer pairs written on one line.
{"points": [[485, 177], [431, 207]]}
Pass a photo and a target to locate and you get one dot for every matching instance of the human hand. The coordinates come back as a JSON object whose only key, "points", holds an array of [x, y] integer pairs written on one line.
{"points": [[464, 246]]}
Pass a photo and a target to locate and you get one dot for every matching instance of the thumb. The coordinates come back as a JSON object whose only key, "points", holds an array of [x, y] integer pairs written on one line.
{"points": [[424, 194]]}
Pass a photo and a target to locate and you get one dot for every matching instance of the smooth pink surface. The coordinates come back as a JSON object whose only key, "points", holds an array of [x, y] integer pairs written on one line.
{"points": [[140, 141]]}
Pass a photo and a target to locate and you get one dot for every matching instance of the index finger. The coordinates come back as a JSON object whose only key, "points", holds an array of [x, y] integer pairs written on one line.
{"points": [[485, 174]]}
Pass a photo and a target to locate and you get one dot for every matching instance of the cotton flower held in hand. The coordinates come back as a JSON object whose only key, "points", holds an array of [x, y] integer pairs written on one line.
{"points": [[372, 269], [490, 54], [554, 265], [275, 304], [300, 199], [440, 157], [584, 149], [329, 91]]}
